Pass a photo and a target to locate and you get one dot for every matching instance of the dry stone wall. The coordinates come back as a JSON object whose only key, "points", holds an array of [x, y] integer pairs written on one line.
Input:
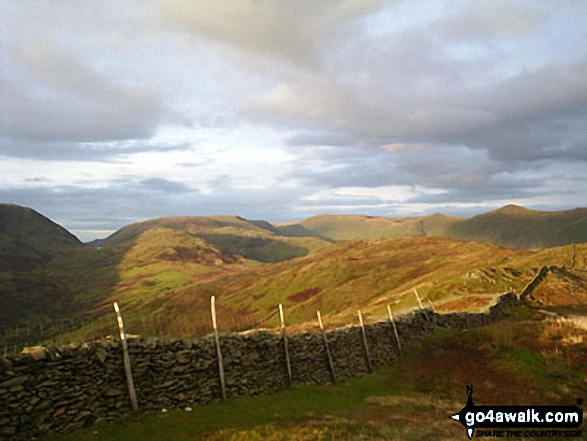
{"points": [[62, 389]]}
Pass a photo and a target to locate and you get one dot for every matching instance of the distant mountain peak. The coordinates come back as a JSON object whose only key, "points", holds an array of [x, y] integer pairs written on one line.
{"points": [[513, 208]]}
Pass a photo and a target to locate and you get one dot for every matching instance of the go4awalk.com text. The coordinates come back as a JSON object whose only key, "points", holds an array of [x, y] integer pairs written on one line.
{"points": [[520, 421]]}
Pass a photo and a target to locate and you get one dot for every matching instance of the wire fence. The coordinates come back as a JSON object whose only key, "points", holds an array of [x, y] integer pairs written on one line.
{"points": [[174, 324], [192, 322]]}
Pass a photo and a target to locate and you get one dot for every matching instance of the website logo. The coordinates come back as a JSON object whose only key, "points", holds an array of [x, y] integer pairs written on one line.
{"points": [[517, 421]]}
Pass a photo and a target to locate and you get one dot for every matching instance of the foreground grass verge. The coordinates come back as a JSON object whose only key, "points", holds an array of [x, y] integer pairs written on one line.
{"points": [[522, 360]]}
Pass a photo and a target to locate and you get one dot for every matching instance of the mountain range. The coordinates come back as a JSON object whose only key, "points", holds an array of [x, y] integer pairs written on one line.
{"points": [[163, 271], [509, 227]]}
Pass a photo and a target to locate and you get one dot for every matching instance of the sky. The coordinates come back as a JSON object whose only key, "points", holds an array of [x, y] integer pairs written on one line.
{"points": [[113, 112]]}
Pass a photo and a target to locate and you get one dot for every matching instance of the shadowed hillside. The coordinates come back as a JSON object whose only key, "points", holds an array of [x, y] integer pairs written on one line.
{"points": [[29, 245], [29, 240]]}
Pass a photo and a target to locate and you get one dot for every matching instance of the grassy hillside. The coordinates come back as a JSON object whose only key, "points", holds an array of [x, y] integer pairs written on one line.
{"points": [[167, 296], [341, 227], [141, 265], [517, 227], [29, 240], [29, 243], [368, 275], [510, 227], [255, 240]]}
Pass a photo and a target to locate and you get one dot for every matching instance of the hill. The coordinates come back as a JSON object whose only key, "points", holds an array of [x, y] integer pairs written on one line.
{"points": [[29, 244], [255, 240], [65, 279], [173, 298], [367, 275], [28, 239], [510, 227], [339, 227], [517, 227]]}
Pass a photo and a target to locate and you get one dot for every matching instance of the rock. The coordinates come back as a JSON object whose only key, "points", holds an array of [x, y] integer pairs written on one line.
{"points": [[180, 369], [101, 354], [45, 404], [8, 430], [113, 392], [182, 359], [17, 381], [36, 352]]}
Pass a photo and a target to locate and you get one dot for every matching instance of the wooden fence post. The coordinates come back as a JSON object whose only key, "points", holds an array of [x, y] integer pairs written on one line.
{"points": [[421, 305], [328, 354], [367, 355], [285, 344], [218, 351], [418, 298], [127, 368], [399, 343]]}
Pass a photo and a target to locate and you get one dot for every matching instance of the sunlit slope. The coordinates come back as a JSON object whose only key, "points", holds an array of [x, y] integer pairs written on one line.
{"points": [[160, 258], [366, 275], [49, 274], [341, 227], [511, 227], [370, 274], [255, 240], [517, 227]]}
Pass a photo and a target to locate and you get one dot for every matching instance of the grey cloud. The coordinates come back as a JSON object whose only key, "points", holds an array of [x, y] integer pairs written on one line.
{"points": [[119, 113], [492, 109], [492, 19], [531, 116], [328, 138], [113, 207], [466, 174], [90, 152], [426, 85], [161, 185], [345, 167], [131, 199], [52, 91], [290, 31]]}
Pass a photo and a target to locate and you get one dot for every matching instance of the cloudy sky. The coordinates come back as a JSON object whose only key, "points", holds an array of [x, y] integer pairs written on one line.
{"points": [[113, 112]]}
